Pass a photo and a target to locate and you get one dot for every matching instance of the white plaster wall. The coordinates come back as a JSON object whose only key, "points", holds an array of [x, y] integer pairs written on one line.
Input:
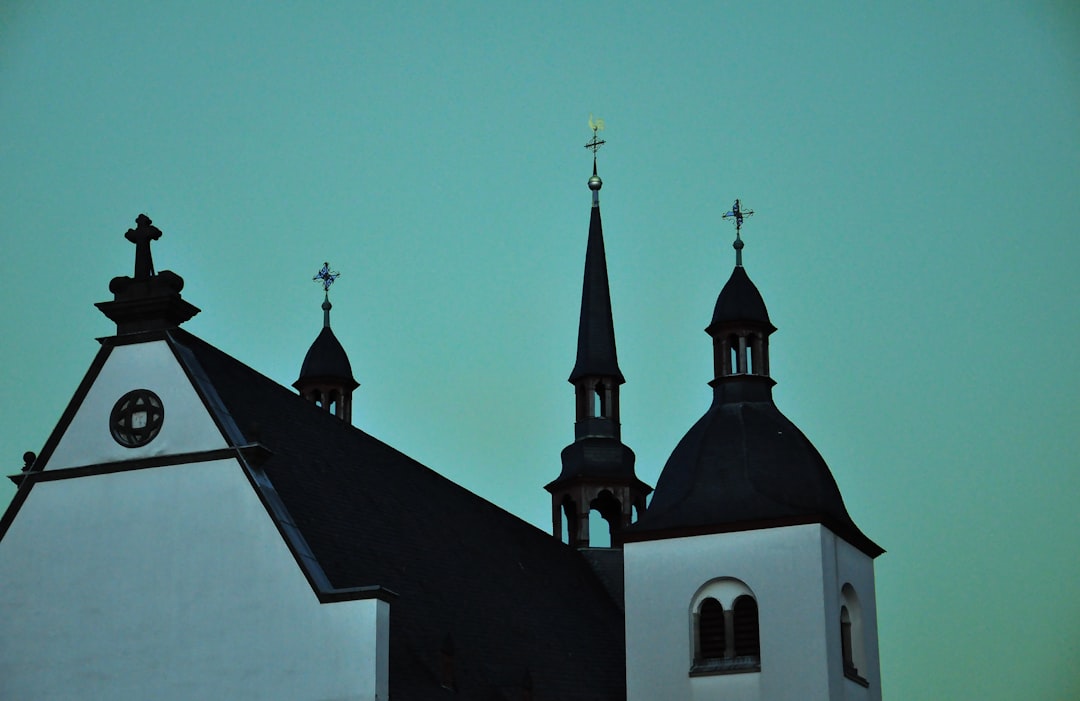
{"points": [[187, 427], [172, 583], [793, 579], [852, 566]]}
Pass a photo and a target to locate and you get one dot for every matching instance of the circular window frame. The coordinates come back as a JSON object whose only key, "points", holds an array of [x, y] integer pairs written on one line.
{"points": [[136, 418]]}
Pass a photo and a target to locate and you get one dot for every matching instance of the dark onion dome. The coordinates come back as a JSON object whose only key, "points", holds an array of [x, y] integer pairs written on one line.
{"points": [[744, 465], [326, 361], [740, 300]]}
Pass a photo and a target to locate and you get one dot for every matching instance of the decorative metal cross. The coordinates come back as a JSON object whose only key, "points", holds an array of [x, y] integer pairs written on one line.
{"points": [[737, 213], [326, 277], [597, 125], [143, 233]]}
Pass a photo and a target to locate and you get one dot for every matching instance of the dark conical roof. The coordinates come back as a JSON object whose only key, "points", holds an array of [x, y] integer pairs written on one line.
{"points": [[740, 300], [596, 354], [326, 360], [745, 465]]}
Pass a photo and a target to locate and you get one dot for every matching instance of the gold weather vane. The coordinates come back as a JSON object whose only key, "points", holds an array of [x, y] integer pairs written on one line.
{"points": [[737, 214], [597, 125]]}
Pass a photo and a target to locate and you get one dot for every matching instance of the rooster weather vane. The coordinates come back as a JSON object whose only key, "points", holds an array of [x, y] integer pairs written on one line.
{"points": [[597, 125]]}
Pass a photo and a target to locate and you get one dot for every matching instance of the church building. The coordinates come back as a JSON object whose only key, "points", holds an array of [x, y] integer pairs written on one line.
{"points": [[192, 529]]}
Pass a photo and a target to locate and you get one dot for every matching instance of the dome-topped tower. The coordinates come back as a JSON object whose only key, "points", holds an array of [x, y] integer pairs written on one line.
{"points": [[744, 463], [326, 377], [746, 568]]}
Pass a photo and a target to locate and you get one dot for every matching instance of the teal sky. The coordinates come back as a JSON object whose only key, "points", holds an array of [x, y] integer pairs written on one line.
{"points": [[914, 171]]}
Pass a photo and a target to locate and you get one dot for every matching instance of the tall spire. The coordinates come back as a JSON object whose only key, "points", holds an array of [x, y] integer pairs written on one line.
{"points": [[597, 469], [596, 353], [326, 377]]}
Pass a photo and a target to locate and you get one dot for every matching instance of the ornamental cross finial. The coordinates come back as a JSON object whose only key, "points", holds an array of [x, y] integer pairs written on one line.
{"points": [[738, 214], [141, 236], [326, 277]]}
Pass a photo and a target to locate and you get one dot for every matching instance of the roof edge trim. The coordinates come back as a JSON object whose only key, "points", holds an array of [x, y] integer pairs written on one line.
{"points": [[858, 540]]}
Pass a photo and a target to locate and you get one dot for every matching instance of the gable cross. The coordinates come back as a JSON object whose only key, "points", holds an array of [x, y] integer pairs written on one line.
{"points": [[143, 233]]}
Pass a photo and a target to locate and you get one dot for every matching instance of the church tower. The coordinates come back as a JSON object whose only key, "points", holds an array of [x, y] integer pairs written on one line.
{"points": [[597, 469], [746, 578], [326, 377]]}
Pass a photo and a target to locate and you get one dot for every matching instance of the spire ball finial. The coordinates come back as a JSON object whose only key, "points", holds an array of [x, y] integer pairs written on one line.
{"points": [[738, 214], [326, 277], [594, 144]]}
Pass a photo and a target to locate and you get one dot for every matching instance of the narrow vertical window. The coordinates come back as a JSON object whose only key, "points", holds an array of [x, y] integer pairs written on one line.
{"points": [[712, 638], [845, 641], [745, 625], [852, 645]]}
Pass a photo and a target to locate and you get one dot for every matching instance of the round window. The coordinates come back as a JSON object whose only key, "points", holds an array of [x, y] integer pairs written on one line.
{"points": [[136, 418]]}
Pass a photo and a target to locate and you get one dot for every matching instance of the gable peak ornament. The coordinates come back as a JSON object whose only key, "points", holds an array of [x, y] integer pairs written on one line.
{"points": [[148, 300]]}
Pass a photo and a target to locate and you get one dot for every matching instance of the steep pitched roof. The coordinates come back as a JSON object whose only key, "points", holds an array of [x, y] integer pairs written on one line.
{"points": [[516, 603]]}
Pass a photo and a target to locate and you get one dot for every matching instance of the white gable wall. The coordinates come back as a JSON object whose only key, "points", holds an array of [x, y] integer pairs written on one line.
{"points": [[172, 583], [188, 426], [794, 572]]}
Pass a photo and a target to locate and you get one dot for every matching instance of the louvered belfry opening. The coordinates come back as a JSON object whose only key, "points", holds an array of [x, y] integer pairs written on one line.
{"points": [[712, 636], [745, 624]]}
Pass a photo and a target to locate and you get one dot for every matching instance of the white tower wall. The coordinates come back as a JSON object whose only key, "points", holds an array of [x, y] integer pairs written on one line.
{"points": [[795, 573]]}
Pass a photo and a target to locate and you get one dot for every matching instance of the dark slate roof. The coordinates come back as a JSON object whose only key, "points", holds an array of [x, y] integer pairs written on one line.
{"points": [[596, 332], [602, 458], [512, 601], [745, 465], [326, 360], [740, 301]]}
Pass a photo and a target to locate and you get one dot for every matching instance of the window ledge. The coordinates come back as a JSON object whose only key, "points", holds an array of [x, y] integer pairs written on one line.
{"points": [[731, 665], [854, 676]]}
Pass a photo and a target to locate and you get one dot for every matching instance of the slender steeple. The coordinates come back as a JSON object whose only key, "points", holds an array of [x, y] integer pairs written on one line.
{"points": [[326, 377], [597, 469]]}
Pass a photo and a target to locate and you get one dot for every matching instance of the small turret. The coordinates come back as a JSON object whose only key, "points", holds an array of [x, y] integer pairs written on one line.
{"points": [[326, 377]]}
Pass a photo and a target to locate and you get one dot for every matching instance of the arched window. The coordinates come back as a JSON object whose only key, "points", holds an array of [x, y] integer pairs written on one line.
{"points": [[712, 637], [745, 625], [601, 401], [725, 629], [845, 641], [852, 648]]}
